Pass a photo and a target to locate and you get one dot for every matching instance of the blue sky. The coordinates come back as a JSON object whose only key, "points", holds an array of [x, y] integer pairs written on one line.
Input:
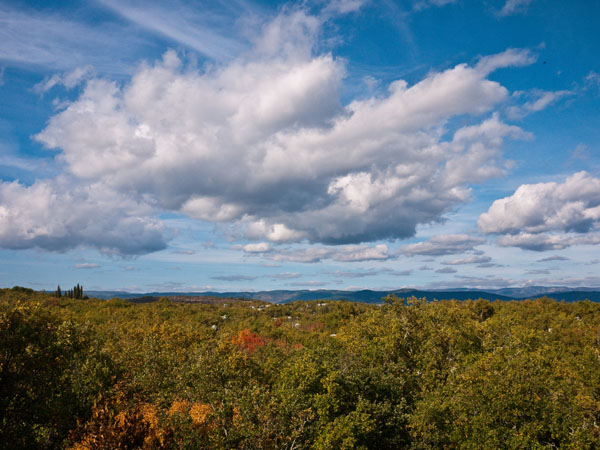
{"points": [[344, 144]]}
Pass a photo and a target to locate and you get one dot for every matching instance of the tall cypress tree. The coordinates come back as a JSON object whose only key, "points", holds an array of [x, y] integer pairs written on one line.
{"points": [[58, 292]]}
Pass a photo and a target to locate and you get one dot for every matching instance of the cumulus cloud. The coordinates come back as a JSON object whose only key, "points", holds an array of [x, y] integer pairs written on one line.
{"points": [[55, 215], [264, 146], [573, 205], [445, 244]]}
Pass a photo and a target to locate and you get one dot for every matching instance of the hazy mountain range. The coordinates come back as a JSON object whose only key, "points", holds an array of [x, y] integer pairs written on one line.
{"points": [[370, 296]]}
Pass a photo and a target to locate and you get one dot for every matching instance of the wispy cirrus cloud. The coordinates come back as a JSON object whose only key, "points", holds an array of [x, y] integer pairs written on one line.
{"points": [[199, 29], [537, 100], [420, 5], [69, 80], [514, 7], [54, 42]]}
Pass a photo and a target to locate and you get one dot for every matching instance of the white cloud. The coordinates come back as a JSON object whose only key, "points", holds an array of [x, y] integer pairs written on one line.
{"points": [[32, 38], [261, 247], [342, 253], [179, 23], [69, 80], [87, 266], [234, 278], [592, 79], [424, 4], [513, 7], [263, 145], [184, 252], [28, 164], [447, 244], [266, 145], [573, 205], [512, 57], [58, 216], [311, 283], [547, 241], [286, 275], [344, 6], [538, 100], [468, 260], [291, 35]]}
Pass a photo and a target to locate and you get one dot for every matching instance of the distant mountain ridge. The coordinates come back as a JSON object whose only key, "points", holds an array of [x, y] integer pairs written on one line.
{"points": [[371, 296]]}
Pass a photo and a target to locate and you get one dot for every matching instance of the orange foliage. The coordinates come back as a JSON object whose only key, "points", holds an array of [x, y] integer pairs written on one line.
{"points": [[118, 425], [249, 341]]}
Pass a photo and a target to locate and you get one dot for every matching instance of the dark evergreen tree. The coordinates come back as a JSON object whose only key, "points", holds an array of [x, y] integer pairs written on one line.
{"points": [[58, 292]]}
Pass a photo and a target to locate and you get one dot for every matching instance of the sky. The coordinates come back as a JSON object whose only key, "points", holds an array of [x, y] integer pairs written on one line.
{"points": [[323, 144]]}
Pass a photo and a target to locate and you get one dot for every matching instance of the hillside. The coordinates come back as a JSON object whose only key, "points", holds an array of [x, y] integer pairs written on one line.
{"points": [[327, 375], [370, 296]]}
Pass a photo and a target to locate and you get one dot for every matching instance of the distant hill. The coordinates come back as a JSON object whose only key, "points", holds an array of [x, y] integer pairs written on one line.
{"points": [[369, 296]]}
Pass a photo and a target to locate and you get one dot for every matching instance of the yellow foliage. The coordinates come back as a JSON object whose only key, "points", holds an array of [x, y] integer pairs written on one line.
{"points": [[179, 407], [199, 413], [149, 415]]}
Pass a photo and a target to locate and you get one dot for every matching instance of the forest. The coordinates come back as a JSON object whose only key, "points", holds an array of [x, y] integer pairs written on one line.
{"points": [[244, 374]]}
